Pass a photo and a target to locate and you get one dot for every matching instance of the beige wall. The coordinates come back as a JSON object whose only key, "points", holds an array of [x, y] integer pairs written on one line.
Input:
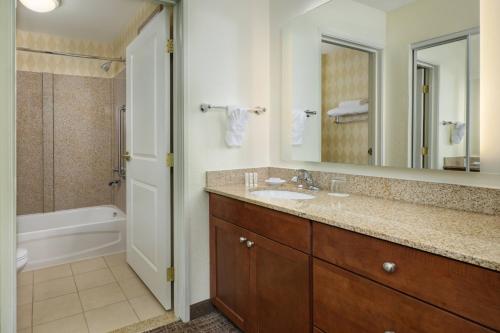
{"points": [[490, 83], [344, 76], [404, 27], [35, 62], [226, 63]]}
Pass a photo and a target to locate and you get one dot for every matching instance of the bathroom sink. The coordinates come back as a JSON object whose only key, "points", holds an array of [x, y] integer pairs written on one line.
{"points": [[290, 195]]}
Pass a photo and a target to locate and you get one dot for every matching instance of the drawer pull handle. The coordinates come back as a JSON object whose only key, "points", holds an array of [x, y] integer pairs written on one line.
{"points": [[389, 332], [389, 267], [243, 239], [250, 244]]}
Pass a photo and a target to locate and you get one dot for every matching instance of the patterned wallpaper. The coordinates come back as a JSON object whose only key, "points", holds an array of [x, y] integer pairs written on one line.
{"points": [[35, 62], [345, 76]]}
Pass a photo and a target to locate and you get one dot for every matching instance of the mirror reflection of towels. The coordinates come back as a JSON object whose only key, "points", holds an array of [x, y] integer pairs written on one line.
{"points": [[298, 127], [457, 133]]}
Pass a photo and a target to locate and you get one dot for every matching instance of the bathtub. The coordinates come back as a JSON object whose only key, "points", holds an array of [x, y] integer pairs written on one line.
{"points": [[71, 235]]}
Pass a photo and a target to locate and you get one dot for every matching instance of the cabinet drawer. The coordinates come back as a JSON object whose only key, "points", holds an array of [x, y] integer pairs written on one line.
{"points": [[464, 289], [346, 302], [284, 228]]}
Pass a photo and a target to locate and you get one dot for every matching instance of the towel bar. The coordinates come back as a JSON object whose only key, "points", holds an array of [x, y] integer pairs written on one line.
{"points": [[207, 107]]}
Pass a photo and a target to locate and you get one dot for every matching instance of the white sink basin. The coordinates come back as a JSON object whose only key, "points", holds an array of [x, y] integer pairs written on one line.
{"points": [[290, 195]]}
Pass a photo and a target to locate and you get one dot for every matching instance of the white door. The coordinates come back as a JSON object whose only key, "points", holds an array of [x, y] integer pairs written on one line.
{"points": [[148, 178]]}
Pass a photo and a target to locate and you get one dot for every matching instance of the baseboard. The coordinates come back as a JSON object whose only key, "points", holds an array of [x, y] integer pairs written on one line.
{"points": [[201, 309]]}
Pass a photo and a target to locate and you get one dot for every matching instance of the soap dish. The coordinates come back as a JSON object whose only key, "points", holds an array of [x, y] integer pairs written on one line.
{"points": [[275, 181]]}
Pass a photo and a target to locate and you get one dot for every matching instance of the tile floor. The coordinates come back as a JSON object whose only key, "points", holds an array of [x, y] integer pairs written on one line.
{"points": [[90, 296]]}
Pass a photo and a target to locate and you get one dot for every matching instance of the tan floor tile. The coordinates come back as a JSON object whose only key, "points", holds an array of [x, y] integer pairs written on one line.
{"points": [[56, 308], [133, 288], [101, 296], [24, 315], [54, 288], [147, 307], [110, 317], [88, 265], [123, 272], [73, 324], [116, 259], [24, 278], [52, 273], [94, 279], [25, 294]]}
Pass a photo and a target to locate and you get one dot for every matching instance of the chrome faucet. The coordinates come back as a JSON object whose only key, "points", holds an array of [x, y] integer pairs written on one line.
{"points": [[304, 179]]}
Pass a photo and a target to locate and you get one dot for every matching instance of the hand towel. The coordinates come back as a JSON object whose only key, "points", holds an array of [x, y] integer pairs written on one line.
{"points": [[457, 133], [348, 110], [356, 102], [298, 127], [237, 119]]}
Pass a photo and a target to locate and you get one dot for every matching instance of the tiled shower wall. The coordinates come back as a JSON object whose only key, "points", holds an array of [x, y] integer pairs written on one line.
{"points": [[119, 99], [64, 142]]}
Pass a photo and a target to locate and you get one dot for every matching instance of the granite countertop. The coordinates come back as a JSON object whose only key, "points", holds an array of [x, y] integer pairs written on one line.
{"points": [[468, 237]]}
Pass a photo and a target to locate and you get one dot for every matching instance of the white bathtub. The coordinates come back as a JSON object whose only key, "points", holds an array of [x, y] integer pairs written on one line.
{"points": [[71, 235]]}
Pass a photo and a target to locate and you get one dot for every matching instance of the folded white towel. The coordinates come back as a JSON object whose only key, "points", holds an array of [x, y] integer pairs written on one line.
{"points": [[348, 110], [237, 119], [356, 102], [457, 133], [298, 127]]}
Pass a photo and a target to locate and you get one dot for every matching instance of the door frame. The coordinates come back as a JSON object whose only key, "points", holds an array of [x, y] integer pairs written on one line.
{"points": [[8, 239], [180, 223], [375, 98], [414, 48], [8, 167]]}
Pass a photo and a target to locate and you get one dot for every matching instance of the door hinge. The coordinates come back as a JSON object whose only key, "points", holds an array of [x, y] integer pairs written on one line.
{"points": [[170, 160], [425, 88], [169, 47], [170, 274], [425, 151]]}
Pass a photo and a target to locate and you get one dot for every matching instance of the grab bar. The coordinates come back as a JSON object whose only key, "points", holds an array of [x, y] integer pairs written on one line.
{"points": [[120, 139]]}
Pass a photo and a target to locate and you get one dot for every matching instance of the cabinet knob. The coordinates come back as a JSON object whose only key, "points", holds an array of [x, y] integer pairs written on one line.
{"points": [[389, 267], [250, 244], [243, 239]]}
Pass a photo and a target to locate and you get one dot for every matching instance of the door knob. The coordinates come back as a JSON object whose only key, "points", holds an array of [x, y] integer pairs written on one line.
{"points": [[243, 239], [126, 156], [389, 267], [250, 244]]}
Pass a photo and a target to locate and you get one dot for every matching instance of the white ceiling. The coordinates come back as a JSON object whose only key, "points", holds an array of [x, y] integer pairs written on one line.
{"points": [[98, 20], [386, 5]]}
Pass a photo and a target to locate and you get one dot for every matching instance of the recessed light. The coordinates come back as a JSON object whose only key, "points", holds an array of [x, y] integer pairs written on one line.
{"points": [[41, 6]]}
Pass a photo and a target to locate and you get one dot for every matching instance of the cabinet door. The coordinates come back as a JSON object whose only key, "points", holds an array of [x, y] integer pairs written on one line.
{"points": [[346, 302], [279, 287], [229, 270]]}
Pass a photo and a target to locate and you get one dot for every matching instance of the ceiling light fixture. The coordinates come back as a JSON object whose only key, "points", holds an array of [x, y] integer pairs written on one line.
{"points": [[41, 6]]}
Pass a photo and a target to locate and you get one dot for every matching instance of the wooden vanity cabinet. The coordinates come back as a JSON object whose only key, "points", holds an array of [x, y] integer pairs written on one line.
{"points": [[276, 272], [260, 284]]}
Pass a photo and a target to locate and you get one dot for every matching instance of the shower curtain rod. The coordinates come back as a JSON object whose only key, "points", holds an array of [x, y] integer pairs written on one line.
{"points": [[67, 54]]}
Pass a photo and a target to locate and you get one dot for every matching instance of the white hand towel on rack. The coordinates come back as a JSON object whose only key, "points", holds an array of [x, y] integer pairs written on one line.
{"points": [[457, 133], [348, 110], [237, 119], [298, 127]]}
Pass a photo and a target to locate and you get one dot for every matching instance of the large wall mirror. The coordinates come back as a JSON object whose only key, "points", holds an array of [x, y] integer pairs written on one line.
{"points": [[384, 83]]}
